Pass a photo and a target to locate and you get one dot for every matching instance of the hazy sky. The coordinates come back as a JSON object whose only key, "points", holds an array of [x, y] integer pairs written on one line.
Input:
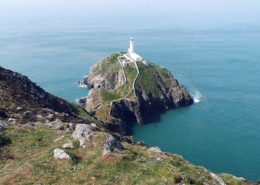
{"points": [[229, 11]]}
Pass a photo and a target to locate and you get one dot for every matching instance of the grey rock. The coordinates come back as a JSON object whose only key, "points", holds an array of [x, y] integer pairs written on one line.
{"points": [[112, 144], [155, 150], [218, 179], [19, 108], [12, 121], [59, 125], [68, 145], [2, 126], [72, 126], [28, 113], [60, 154], [50, 117], [93, 125], [82, 133]]}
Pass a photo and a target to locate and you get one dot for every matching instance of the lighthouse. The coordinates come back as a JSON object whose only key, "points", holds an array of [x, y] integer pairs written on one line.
{"points": [[131, 54], [131, 47]]}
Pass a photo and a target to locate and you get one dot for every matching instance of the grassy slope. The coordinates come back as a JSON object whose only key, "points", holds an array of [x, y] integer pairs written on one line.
{"points": [[149, 77], [111, 65], [32, 149]]}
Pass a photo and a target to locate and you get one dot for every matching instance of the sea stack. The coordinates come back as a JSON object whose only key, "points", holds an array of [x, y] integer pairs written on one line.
{"points": [[125, 88]]}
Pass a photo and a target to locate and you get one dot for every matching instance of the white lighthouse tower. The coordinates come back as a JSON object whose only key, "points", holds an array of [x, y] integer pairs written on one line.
{"points": [[131, 47], [131, 53]]}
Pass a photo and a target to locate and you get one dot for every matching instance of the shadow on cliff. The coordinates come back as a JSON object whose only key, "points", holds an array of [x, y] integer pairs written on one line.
{"points": [[152, 119]]}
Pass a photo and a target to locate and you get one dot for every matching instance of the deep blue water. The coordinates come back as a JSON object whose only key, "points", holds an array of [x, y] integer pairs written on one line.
{"points": [[221, 66]]}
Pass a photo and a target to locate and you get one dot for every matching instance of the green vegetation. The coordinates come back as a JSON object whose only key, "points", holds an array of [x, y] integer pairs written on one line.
{"points": [[109, 96], [110, 64], [148, 79], [33, 163], [229, 179], [82, 112], [4, 140], [165, 74], [131, 73]]}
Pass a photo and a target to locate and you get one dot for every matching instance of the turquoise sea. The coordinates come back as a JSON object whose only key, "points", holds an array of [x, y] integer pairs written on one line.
{"points": [[219, 65]]}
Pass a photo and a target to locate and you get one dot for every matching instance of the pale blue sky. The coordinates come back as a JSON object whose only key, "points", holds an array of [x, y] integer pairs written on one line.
{"points": [[175, 11]]}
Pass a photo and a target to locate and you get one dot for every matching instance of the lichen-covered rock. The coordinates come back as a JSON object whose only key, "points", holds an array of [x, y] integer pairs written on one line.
{"points": [[82, 133], [111, 144], [60, 154]]}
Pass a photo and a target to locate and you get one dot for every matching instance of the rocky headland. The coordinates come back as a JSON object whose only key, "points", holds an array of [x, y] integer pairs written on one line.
{"points": [[122, 95], [47, 140], [22, 101]]}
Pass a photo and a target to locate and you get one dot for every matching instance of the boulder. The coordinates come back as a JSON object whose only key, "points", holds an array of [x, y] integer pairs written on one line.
{"points": [[112, 144], [50, 117], [82, 133], [93, 125], [60, 154], [2, 126], [72, 126], [12, 121], [19, 108], [68, 145], [58, 124], [155, 150]]}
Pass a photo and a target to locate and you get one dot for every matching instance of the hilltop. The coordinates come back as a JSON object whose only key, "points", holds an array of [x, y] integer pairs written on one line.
{"points": [[123, 93]]}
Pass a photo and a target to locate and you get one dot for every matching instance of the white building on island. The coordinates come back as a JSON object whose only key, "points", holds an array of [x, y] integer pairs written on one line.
{"points": [[131, 52], [131, 56]]}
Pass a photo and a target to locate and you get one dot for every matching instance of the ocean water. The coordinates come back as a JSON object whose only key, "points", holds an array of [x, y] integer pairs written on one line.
{"points": [[219, 66]]}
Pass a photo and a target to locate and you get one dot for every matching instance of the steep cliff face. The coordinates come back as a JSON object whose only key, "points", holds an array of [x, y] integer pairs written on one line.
{"points": [[132, 93], [23, 101]]}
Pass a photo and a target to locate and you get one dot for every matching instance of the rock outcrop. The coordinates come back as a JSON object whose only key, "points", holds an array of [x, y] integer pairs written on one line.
{"points": [[22, 101], [111, 144], [60, 154], [82, 133], [2, 126], [120, 96]]}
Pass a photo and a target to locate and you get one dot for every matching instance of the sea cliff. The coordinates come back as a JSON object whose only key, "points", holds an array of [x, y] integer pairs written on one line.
{"points": [[47, 140]]}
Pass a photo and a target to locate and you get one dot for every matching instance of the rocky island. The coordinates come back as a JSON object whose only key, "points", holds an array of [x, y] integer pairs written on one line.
{"points": [[125, 88]]}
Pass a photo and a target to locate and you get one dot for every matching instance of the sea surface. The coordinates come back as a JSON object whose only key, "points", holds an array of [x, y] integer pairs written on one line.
{"points": [[220, 66]]}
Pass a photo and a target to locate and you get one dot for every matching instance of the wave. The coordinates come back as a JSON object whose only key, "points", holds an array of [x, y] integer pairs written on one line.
{"points": [[197, 97]]}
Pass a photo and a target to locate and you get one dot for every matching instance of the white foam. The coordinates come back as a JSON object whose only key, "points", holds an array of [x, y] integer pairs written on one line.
{"points": [[197, 97], [196, 100]]}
